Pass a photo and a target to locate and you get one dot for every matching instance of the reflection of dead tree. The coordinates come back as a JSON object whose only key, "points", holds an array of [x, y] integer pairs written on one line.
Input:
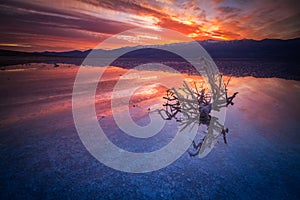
{"points": [[196, 147], [216, 126], [224, 132], [190, 106]]}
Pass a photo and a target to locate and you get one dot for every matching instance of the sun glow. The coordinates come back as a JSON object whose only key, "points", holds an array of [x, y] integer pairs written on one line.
{"points": [[220, 37], [183, 21]]}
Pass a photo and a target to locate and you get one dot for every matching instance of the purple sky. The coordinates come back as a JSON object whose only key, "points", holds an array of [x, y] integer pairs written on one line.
{"points": [[58, 25]]}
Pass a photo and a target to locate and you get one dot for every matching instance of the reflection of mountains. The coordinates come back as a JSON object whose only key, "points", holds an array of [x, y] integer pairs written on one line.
{"points": [[265, 58]]}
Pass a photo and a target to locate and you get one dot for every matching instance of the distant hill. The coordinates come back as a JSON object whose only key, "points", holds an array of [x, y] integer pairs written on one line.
{"points": [[264, 58], [267, 48], [75, 53], [8, 57]]}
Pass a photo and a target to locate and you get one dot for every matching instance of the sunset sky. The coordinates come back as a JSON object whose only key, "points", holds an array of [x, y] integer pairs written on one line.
{"points": [[60, 25]]}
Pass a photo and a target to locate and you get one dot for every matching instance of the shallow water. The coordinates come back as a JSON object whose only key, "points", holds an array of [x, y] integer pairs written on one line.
{"points": [[42, 155]]}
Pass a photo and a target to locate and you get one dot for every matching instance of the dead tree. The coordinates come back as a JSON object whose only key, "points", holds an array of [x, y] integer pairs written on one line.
{"points": [[189, 105]]}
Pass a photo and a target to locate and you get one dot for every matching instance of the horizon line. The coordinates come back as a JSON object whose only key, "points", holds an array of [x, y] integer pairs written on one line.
{"points": [[3, 49]]}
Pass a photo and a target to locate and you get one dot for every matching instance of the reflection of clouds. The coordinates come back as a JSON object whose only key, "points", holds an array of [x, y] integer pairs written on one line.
{"points": [[147, 90], [267, 101]]}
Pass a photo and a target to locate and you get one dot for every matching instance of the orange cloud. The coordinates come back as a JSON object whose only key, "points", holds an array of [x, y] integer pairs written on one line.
{"points": [[82, 24]]}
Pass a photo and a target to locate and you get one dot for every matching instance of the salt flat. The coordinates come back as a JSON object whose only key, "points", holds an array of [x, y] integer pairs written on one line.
{"points": [[41, 153]]}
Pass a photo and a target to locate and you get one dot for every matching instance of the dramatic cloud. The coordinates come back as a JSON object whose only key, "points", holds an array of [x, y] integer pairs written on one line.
{"points": [[60, 25]]}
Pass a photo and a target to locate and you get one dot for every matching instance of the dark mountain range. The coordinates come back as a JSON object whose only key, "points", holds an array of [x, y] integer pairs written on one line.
{"points": [[267, 48], [264, 58], [75, 53]]}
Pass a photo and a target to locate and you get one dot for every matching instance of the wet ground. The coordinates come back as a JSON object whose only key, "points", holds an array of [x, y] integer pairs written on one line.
{"points": [[42, 155]]}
